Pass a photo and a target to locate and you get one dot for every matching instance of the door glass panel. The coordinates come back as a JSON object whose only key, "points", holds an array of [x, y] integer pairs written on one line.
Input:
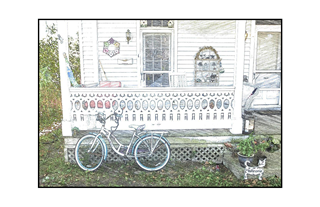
{"points": [[156, 49], [268, 80], [157, 80], [269, 51], [156, 57], [265, 98]]}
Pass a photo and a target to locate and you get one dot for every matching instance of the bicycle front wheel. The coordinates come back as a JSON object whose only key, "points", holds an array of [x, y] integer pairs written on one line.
{"points": [[89, 153], [152, 153]]}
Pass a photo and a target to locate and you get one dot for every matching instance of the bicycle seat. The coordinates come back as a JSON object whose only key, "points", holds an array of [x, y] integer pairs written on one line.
{"points": [[137, 127]]}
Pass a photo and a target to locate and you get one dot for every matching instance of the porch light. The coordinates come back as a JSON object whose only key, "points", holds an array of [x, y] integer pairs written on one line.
{"points": [[128, 35]]}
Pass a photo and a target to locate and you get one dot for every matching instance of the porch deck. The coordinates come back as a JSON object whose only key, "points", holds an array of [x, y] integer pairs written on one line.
{"points": [[195, 144], [266, 123]]}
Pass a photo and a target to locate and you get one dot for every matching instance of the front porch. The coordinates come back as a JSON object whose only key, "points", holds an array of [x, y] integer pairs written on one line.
{"points": [[197, 145], [165, 108], [210, 101]]}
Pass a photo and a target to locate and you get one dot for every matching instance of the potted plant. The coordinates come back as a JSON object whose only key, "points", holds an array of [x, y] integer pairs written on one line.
{"points": [[247, 148], [274, 144], [261, 146]]}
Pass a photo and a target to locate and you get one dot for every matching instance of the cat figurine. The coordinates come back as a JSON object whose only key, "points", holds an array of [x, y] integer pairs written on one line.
{"points": [[262, 163], [254, 170]]}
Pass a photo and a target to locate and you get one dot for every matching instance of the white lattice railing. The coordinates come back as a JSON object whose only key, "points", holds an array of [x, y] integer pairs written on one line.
{"points": [[165, 108]]}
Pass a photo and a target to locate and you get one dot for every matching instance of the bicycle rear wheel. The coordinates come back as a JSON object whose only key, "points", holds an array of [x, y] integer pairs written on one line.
{"points": [[89, 153], [152, 153]]}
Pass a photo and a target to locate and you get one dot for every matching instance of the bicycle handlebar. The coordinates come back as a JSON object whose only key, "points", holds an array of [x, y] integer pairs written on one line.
{"points": [[101, 117]]}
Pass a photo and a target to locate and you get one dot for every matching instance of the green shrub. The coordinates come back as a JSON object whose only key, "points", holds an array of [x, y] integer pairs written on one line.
{"points": [[50, 108], [247, 147]]}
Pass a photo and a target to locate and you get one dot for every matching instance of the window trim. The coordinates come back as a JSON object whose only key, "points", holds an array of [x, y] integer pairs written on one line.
{"points": [[144, 30], [264, 28], [261, 28]]}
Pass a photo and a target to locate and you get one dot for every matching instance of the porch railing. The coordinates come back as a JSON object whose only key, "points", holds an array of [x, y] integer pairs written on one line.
{"points": [[163, 108]]}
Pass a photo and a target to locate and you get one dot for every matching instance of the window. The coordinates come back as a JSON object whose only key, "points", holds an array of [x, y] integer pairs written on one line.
{"points": [[269, 51], [156, 50], [156, 59], [268, 66], [268, 22]]}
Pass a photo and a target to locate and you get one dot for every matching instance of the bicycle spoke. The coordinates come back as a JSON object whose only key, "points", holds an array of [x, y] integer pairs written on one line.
{"points": [[152, 153], [89, 153]]}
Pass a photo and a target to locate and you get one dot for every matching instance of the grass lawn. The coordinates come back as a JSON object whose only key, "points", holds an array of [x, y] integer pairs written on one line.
{"points": [[55, 172]]}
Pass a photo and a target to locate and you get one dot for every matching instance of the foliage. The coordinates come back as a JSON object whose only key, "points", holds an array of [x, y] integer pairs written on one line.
{"points": [[274, 144], [50, 108], [247, 147], [274, 141], [55, 172], [261, 146], [74, 57]]}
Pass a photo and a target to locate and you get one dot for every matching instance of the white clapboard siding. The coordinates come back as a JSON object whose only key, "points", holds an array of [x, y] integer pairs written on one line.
{"points": [[86, 51], [106, 29], [117, 29], [247, 49], [193, 34]]}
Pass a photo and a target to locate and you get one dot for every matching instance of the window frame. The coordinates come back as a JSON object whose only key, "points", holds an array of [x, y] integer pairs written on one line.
{"points": [[155, 30], [266, 28]]}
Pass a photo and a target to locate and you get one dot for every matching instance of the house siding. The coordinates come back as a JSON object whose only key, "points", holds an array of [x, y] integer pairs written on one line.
{"points": [[86, 51], [191, 35], [116, 29], [247, 48]]}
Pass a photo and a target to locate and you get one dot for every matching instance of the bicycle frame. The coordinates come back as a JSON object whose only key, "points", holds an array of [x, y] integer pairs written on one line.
{"points": [[142, 144], [108, 134], [135, 136]]}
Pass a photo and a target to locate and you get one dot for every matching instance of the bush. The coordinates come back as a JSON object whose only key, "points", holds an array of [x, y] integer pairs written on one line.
{"points": [[50, 108], [246, 146]]}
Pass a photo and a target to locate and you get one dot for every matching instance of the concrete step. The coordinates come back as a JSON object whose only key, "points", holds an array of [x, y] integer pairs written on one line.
{"points": [[273, 165]]}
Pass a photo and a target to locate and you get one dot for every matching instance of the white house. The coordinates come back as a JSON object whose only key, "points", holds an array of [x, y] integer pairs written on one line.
{"points": [[174, 74]]}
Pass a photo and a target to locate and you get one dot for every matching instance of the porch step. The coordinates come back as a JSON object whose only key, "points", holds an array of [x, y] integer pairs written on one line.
{"points": [[272, 168]]}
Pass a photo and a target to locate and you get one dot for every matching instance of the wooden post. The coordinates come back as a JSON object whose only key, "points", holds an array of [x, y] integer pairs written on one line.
{"points": [[64, 80], [252, 51], [96, 73], [240, 41]]}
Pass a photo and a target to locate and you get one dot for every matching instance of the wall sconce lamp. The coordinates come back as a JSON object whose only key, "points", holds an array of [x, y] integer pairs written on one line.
{"points": [[128, 35]]}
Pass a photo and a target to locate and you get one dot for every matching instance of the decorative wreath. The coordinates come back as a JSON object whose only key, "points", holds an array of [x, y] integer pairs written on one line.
{"points": [[111, 47]]}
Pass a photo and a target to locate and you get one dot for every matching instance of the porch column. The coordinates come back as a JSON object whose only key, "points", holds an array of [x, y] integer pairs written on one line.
{"points": [[95, 54], [240, 40], [64, 80]]}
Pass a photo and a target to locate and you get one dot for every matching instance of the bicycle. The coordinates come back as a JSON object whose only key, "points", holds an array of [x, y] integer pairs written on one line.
{"points": [[151, 150]]}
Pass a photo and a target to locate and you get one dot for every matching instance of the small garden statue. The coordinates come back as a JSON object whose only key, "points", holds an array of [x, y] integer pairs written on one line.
{"points": [[254, 170]]}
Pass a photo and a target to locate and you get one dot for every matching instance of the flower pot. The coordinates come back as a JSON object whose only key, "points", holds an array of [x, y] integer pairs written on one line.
{"points": [[243, 159]]}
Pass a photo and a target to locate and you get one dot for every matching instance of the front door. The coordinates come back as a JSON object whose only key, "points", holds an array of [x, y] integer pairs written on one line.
{"points": [[267, 70]]}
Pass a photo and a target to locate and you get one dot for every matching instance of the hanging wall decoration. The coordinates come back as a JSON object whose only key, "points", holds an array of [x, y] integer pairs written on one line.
{"points": [[208, 67], [111, 47]]}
